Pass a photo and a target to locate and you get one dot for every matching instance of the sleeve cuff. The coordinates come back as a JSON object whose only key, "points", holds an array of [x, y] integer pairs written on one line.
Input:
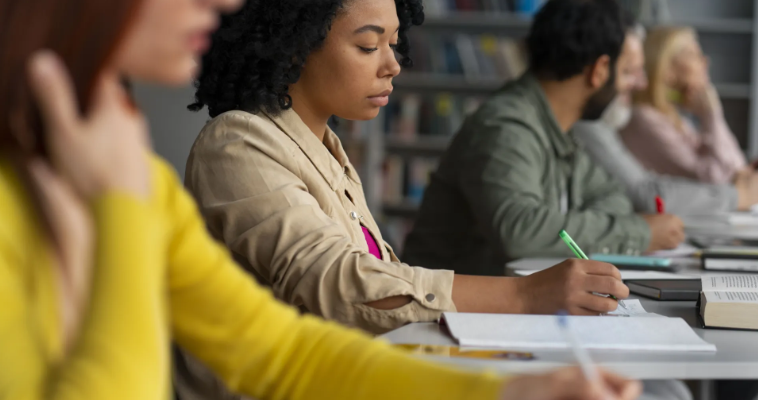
{"points": [[433, 292], [633, 237], [639, 235]]}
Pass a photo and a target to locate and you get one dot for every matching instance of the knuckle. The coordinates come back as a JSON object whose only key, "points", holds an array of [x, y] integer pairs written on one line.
{"points": [[610, 305], [622, 289], [610, 269], [607, 285]]}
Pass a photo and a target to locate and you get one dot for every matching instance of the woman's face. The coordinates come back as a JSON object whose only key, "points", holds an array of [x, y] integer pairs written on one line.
{"points": [[689, 67], [351, 75], [167, 38]]}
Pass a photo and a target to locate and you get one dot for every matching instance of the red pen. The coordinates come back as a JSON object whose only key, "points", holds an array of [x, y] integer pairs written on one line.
{"points": [[660, 206]]}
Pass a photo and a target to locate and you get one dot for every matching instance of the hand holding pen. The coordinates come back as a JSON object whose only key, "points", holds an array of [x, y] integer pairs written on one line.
{"points": [[580, 255]]}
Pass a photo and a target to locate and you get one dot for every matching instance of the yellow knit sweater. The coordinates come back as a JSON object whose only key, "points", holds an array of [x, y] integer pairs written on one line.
{"points": [[159, 276]]}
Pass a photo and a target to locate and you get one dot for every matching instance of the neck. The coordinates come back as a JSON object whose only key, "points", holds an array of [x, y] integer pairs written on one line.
{"points": [[315, 120], [563, 102]]}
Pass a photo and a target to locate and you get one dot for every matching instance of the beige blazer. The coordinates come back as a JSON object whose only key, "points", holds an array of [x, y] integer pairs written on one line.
{"points": [[290, 208]]}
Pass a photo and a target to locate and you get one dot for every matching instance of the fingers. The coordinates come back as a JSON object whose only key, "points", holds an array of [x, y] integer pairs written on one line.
{"points": [[109, 94], [51, 189], [111, 102], [622, 388], [571, 384], [597, 268], [606, 285], [677, 223], [53, 90], [592, 304], [48, 186], [584, 312]]}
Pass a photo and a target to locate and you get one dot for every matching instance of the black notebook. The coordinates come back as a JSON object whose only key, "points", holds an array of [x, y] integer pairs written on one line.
{"points": [[667, 289]]}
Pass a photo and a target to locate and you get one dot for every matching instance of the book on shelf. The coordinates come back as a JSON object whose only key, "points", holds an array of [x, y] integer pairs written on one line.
{"points": [[474, 57], [404, 180], [409, 116], [393, 180], [357, 139], [446, 7]]}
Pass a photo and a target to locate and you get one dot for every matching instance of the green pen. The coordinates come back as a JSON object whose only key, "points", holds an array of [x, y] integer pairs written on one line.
{"points": [[580, 255]]}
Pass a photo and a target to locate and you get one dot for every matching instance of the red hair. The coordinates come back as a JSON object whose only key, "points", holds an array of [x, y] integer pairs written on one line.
{"points": [[83, 33]]}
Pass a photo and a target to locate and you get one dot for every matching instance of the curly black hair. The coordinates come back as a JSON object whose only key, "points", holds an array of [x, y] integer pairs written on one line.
{"points": [[569, 35], [260, 50]]}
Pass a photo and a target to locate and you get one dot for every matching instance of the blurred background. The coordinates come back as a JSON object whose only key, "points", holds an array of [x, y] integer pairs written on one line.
{"points": [[465, 50]]}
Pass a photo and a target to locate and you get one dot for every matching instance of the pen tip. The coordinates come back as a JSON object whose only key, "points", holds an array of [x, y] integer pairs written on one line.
{"points": [[562, 318]]}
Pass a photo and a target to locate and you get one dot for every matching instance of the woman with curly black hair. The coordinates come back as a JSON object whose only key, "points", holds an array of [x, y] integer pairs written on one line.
{"points": [[273, 181]]}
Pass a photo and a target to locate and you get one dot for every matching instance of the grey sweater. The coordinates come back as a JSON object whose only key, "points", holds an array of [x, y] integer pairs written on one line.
{"points": [[682, 196]]}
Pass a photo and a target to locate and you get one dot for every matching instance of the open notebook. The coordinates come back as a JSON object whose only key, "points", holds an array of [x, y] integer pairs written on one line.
{"points": [[630, 275], [514, 331]]}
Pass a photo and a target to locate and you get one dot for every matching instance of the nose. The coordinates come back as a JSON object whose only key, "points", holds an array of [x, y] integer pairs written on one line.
{"points": [[391, 67]]}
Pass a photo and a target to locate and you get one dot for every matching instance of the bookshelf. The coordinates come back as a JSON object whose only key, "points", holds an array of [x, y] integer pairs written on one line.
{"points": [[728, 35], [403, 209], [435, 82], [423, 146], [475, 21]]}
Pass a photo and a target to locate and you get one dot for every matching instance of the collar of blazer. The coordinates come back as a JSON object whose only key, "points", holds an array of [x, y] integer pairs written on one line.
{"points": [[328, 157]]}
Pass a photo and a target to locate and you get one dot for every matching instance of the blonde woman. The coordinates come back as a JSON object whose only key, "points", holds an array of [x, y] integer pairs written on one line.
{"points": [[659, 135]]}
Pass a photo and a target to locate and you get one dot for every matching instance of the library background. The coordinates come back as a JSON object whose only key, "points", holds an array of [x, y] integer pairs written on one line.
{"points": [[467, 49]]}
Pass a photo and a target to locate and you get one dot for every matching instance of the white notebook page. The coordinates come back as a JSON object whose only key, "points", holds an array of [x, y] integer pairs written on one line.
{"points": [[542, 332]]}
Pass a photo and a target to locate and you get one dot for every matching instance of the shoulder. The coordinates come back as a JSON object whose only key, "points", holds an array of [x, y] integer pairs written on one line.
{"points": [[505, 121], [241, 128], [514, 103], [237, 138], [594, 135]]}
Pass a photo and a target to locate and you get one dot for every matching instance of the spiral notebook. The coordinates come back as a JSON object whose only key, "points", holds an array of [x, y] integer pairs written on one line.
{"points": [[515, 331]]}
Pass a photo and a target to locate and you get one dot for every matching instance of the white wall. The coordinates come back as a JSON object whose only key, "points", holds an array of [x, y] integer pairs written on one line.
{"points": [[173, 128]]}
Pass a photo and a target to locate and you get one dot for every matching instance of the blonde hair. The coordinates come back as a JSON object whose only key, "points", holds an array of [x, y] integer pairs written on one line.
{"points": [[661, 46]]}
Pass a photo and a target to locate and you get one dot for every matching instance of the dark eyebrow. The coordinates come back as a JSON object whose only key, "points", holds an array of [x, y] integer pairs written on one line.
{"points": [[370, 28]]}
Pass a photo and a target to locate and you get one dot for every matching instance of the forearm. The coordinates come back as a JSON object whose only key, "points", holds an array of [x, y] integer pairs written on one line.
{"points": [[266, 350], [684, 196], [594, 231], [486, 294], [121, 351]]}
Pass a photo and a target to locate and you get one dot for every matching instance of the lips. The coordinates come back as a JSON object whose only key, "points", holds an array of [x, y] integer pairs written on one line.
{"points": [[382, 99], [200, 42], [385, 93]]}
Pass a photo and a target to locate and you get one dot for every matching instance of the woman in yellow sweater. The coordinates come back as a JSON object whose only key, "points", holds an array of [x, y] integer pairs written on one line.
{"points": [[104, 258]]}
